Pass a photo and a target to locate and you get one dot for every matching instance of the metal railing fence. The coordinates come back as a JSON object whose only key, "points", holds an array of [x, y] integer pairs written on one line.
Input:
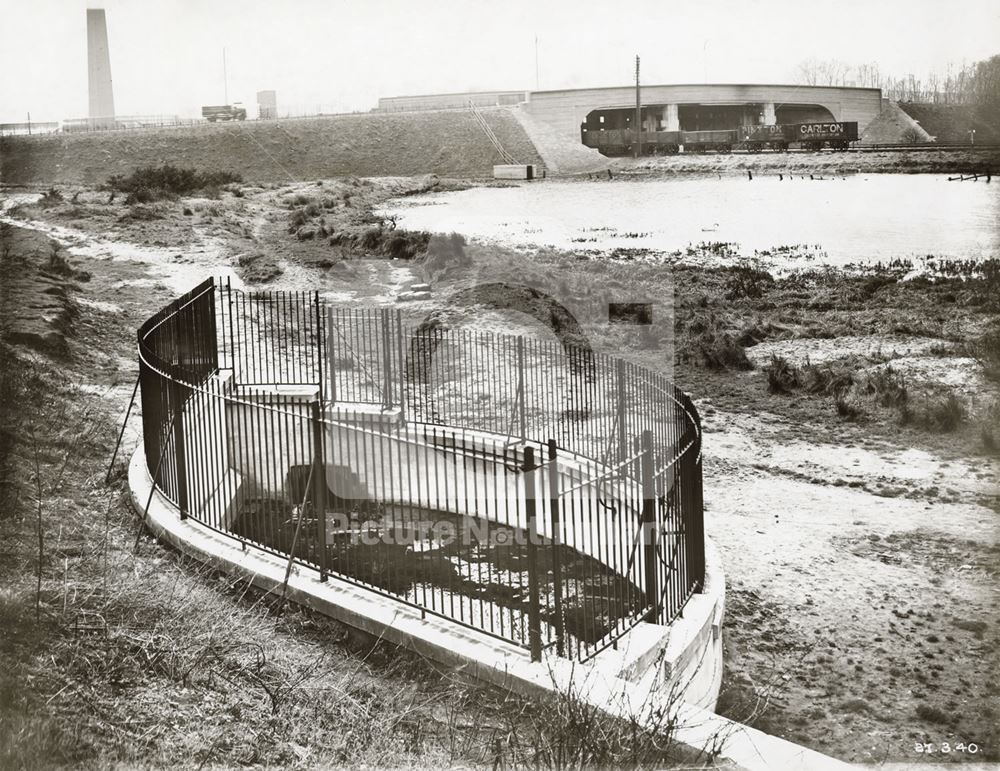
{"points": [[546, 494]]}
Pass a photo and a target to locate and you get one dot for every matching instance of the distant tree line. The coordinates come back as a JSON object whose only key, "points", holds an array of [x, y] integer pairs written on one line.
{"points": [[976, 84]]}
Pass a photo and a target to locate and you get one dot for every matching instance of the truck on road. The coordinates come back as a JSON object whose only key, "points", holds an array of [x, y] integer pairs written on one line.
{"points": [[214, 112]]}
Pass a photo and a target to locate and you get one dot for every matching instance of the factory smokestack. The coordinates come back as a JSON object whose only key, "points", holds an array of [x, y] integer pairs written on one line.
{"points": [[101, 97]]}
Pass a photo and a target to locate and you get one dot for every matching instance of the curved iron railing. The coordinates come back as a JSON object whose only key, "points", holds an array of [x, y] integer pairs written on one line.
{"points": [[540, 492]]}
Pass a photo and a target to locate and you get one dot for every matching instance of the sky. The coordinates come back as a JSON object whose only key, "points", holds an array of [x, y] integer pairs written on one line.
{"points": [[342, 55]]}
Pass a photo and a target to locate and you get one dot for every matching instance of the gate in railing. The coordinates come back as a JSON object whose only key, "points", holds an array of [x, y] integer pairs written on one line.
{"points": [[548, 495]]}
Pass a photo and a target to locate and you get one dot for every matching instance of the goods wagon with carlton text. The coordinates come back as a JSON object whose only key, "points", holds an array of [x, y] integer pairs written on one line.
{"points": [[752, 139]]}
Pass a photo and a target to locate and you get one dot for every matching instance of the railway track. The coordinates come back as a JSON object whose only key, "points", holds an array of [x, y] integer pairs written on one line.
{"points": [[868, 149], [923, 148]]}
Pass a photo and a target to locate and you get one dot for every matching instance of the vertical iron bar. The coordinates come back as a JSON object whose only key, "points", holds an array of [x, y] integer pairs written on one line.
{"points": [[556, 545], [401, 366], [520, 386], [649, 529], [386, 362], [320, 352], [534, 619], [622, 441], [319, 484], [179, 450]]}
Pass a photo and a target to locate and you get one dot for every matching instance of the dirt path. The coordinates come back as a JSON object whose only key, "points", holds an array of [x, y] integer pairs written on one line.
{"points": [[862, 587]]}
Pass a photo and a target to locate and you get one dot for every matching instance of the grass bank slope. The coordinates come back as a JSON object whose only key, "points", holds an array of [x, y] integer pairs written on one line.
{"points": [[893, 126], [950, 123], [448, 143]]}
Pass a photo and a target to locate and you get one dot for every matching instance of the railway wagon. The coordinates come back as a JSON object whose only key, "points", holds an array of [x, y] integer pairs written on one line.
{"points": [[720, 140], [816, 136], [610, 141], [757, 138], [754, 139], [621, 141]]}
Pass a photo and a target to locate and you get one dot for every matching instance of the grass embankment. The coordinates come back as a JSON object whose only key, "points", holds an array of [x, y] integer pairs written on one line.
{"points": [[117, 651], [446, 143], [951, 123]]}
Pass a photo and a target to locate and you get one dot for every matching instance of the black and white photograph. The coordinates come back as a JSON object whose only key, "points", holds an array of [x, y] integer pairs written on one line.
{"points": [[477, 385]]}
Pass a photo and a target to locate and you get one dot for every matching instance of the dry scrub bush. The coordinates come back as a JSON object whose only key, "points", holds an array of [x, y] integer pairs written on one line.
{"points": [[985, 349], [152, 183], [706, 344]]}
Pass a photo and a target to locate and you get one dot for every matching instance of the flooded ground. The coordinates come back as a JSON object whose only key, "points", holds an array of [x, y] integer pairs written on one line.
{"points": [[822, 218]]}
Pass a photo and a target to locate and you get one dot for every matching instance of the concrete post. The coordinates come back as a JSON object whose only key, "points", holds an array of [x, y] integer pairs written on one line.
{"points": [[670, 119], [770, 119], [101, 97]]}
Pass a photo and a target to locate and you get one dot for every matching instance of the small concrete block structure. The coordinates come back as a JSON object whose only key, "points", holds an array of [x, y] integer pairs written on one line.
{"points": [[413, 295], [267, 105], [514, 171], [416, 291]]}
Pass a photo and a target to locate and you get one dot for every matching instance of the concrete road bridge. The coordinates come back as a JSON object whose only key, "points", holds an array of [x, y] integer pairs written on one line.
{"points": [[693, 107], [555, 120], [701, 107]]}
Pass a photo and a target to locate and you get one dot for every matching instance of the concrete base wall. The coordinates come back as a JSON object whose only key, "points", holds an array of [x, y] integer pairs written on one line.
{"points": [[477, 484]]}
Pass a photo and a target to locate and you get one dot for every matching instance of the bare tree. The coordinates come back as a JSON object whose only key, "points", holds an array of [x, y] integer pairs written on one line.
{"points": [[974, 83]]}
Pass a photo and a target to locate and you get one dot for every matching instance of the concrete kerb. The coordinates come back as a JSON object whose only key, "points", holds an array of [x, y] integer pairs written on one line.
{"points": [[697, 731]]}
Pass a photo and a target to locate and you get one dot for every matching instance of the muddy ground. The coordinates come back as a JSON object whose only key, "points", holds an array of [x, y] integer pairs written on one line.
{"points": [[854, 504]]}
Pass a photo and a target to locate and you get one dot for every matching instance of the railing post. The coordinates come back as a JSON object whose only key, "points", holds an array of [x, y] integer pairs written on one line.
{"points": [[180, 454], [694, 513], [520, 387], [556, 546], [386, 362], [649, 529], [319, 487], [534, 615], [229, 318], [622, 441]]}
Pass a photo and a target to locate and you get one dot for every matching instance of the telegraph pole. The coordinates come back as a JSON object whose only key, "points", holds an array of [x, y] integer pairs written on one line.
{"points": [[536, 62], [638, 112], [225, 76]]}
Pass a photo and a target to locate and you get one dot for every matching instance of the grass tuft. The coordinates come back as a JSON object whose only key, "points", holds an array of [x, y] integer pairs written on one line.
{"points": [[748, 282], [709, 346], [782, 377]]}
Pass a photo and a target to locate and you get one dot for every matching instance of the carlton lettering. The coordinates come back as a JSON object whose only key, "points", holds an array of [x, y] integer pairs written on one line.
{"points": [[822, 128]]}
